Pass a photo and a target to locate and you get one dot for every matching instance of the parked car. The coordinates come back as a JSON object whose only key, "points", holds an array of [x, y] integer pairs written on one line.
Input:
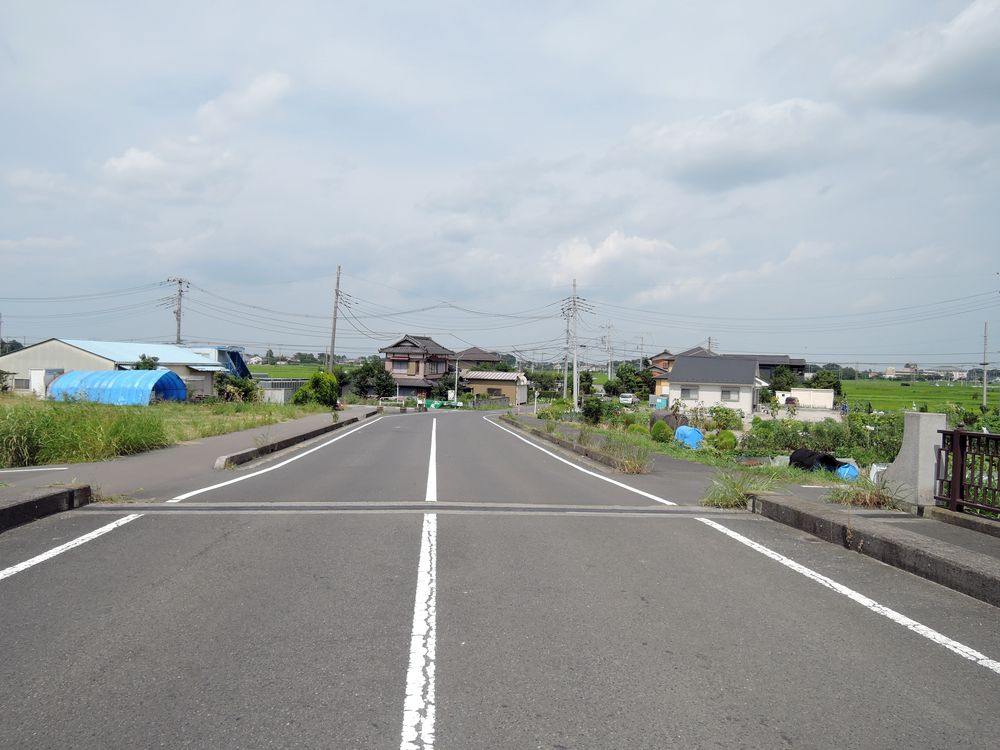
{"points": [[627, 399], [791, 401]]}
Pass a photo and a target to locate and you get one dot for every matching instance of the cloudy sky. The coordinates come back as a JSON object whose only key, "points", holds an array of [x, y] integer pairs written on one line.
{"points": [[820, 179]]}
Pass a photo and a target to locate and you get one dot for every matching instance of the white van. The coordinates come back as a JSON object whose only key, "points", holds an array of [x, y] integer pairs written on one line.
{"points": [[627, 399]]}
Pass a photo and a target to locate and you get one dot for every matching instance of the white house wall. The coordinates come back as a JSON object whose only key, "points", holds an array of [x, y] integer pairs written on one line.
{"points": [[711, 395]]}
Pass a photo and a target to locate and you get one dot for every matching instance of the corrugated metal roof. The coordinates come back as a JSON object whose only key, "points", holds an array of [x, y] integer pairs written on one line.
{"points": [[129, 352], [517, 377], [717, 370]]}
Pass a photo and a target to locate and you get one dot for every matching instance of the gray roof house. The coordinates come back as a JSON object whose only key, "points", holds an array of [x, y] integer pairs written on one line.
{"points": [[711, 381]]}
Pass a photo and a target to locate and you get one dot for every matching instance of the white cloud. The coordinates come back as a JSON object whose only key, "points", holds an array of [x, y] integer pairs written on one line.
{"points": [[182, 171], [618, 256], [33, 184], [751, 144], [703, 281], [953, 66], [258, 96], [37, 243]]}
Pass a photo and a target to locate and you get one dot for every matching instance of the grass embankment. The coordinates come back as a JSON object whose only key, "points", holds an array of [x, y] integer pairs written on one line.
{"points": [[894, 395], [34, 433]]}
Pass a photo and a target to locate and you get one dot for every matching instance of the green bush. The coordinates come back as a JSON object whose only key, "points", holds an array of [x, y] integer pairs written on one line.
{"points": [[661, 432], [725, 418], [231, 388], [869, 438], [322, 388], [639, 429], [593, 410], [724, 441]]}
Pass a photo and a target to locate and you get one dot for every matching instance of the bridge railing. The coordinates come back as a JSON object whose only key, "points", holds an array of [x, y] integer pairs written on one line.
{"points": [[967, 471]]}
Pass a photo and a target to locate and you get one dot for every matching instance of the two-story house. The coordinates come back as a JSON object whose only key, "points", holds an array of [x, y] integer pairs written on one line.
{"points": [[416, 363]]}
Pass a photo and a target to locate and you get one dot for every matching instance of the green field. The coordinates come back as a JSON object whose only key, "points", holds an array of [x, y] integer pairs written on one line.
{"points": [[892, 395], [285, 371]]}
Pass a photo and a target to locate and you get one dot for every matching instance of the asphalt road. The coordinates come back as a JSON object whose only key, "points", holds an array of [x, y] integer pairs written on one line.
{"points": [[436, 581]]}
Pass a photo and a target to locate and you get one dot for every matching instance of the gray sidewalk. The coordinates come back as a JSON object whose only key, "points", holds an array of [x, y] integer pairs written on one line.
{"points": [[149, 475]]}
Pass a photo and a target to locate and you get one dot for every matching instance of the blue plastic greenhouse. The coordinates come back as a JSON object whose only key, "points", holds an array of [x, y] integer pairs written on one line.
{"points": [[119, 387]]}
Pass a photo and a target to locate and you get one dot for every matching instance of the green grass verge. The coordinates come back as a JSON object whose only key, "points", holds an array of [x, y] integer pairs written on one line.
{"points": [[34, 432]]}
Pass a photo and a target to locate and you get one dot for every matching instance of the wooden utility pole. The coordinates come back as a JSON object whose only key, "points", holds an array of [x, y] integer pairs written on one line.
{"points": [[333, 326]]}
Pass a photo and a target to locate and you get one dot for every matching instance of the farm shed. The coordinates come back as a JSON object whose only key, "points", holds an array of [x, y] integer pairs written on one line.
{"points": [[195, 370], [490, 384], [119, 387]]}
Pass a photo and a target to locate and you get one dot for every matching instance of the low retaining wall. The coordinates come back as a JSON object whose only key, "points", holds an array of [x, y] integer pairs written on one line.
{"points": [[41, 503]]}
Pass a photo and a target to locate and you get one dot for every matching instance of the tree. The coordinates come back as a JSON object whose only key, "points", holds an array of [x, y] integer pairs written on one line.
{"points": [[613, 387], [586, 382], [371, 379], [269, 357], [244, 390], [321, 388], [783, 379], [628, 378], [647, 382], [307, 358], [9, 346], [542, 380], [147, 363], [832, 367]]}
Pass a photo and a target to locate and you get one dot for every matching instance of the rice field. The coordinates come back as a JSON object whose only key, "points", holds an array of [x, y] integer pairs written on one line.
{"points": [[894, 395]]}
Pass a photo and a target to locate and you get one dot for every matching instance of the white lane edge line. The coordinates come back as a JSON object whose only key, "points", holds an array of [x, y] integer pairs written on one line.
{"points": [[7, 572], [966, 652], [615, 482], [287, 461], [53, 468], [432, 483], [419, 705]]}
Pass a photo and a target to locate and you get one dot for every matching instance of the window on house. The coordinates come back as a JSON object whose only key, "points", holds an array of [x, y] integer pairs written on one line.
{"points": [[21, 384], [411, 368], [690, 393], [399, 365], [730, 394], [494, 392]]}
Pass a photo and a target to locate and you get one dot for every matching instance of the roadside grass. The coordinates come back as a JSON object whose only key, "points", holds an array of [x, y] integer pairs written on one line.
{"points": [[34, 433], [864, 493], [733, 489]]}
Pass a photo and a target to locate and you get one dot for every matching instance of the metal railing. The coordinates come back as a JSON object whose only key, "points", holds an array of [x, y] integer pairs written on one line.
{"points": [[967, 471]]}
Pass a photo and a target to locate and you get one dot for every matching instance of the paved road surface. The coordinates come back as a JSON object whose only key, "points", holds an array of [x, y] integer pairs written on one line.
{"points": [[437, 581]]}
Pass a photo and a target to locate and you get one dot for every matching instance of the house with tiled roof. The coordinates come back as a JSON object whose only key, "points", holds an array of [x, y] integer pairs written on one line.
{"points": [[416, 363]]}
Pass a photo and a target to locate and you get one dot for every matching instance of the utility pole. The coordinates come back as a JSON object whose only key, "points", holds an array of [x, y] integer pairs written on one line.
{"points": [[607, 345], [985, 363], [576, 378], [333, 327], [709, 344], [565, 354], [182, 284]]}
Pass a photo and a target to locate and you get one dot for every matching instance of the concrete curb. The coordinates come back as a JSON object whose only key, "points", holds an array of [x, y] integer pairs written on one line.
{"points": [[592, 454], [965, 520], [968, 572], [41, 503], [236, 459]]}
